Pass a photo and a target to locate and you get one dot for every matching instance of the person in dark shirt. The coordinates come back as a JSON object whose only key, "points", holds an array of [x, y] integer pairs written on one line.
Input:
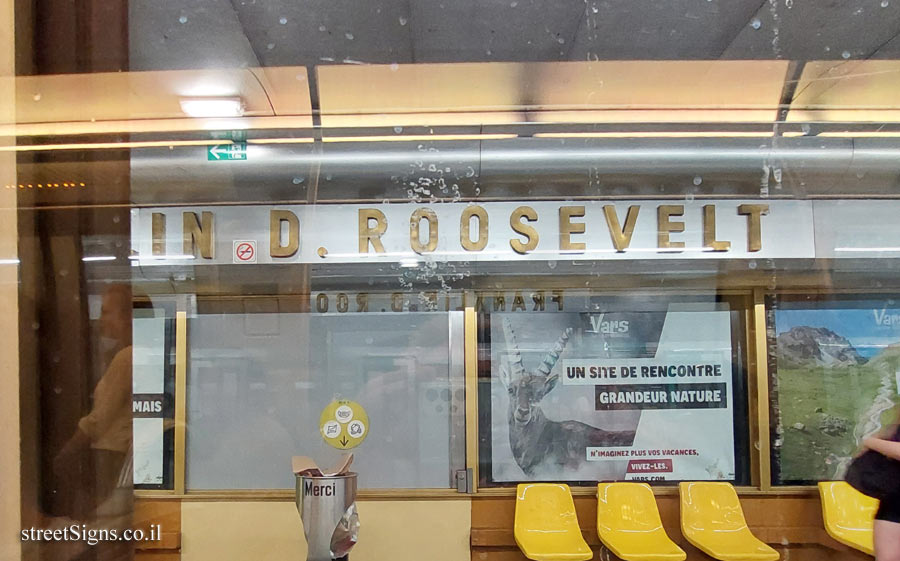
{"points": [[887, 520]]}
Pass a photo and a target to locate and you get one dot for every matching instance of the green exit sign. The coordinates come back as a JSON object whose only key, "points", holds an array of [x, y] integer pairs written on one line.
{"points": [[222, 152]]}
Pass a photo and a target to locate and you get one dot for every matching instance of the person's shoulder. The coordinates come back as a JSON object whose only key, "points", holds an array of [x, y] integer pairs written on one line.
{"points": [[122, 359]]}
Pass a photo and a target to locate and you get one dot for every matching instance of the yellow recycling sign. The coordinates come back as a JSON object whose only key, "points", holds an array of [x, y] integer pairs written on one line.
{"points": [[344, 424]]}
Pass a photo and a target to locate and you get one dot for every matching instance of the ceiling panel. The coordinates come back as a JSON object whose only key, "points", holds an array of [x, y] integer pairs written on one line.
{"points": [[220, 33], [823, 29], [185, 34], [653, 30], [309, 32]]}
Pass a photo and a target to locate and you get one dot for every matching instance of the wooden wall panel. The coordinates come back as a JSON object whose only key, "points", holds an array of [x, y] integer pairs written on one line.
{"points": [[167, 514]]}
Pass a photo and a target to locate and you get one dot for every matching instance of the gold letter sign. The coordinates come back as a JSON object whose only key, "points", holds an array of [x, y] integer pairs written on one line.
{"points": [[531, 235], [371, 234], [415, 242], [276, 219], [197, 235], [465, 234], [666, 226], [754, 231]]}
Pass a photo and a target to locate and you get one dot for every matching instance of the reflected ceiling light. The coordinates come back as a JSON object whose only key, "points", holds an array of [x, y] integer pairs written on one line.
{"points": [[159, 257], [9, 261], [655, 134], [417, 137], [409, 262], [98, 258], [212, 106], [860, 134], [112, 145], [279, 140], [867, 249]]}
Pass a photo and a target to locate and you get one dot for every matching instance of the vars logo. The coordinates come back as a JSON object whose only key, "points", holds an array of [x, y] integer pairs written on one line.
{"points": [[608, 327]]}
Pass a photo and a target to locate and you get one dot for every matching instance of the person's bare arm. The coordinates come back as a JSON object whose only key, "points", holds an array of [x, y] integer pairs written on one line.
{"points": [[888, 448]]}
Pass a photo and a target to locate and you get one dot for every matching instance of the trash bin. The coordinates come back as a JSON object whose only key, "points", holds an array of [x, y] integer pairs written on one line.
{"points": [[327, 506]]}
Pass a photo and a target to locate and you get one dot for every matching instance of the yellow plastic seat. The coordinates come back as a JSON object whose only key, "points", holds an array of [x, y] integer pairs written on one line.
{"points": [[546, 526], [628, 524], [713, 521], [849, 515]]}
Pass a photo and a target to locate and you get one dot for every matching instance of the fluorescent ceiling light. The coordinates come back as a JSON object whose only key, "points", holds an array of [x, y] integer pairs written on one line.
{"points": [[212, 106]]}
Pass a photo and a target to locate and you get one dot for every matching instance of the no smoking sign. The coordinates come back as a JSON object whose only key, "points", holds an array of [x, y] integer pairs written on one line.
{"points": [[244, 251]]}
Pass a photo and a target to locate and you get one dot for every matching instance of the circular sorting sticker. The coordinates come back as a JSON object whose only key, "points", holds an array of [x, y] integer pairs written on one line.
{"points": [[344, 424]]}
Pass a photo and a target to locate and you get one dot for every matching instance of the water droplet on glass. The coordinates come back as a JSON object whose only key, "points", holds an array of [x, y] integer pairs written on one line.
{"points": [[328, 177], [395, 66], [297, 180], [513, 4], [845, 54], [398, 130], [270, 46], [403, 20], [698, 180], [789, 4], [322, 28], [349, 36], [595, 9], [182, 19], [282, 20], [755, 23], [689, 198], [551, 264], [885, 3], [751, 265], [36, 97], [560, 40]]}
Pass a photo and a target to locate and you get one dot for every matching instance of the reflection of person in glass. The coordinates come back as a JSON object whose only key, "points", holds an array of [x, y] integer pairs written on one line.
{"points": [[104, 434], [887, 520]]}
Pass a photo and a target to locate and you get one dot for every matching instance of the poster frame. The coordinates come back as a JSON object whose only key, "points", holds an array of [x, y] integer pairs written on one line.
{"points": [[168, 307], [743, 422], [772, 298]]}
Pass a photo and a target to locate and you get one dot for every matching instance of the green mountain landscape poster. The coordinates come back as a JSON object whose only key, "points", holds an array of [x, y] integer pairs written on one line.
{"points": [[835, 374]]}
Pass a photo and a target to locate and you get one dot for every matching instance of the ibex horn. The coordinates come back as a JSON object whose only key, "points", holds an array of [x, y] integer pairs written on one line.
{"points": [[550, 360], [516, 368]]}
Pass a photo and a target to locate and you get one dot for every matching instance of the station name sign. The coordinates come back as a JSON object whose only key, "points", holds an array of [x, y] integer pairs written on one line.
{"points": [[491, 231]]}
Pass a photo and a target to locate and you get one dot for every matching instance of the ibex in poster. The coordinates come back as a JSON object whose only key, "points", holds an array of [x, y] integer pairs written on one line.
{"points": [[534, 439]]}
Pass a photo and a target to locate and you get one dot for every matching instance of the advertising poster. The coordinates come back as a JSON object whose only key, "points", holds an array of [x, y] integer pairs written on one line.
{"points": [[592, 396], [152, 399], [834, 382]]}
